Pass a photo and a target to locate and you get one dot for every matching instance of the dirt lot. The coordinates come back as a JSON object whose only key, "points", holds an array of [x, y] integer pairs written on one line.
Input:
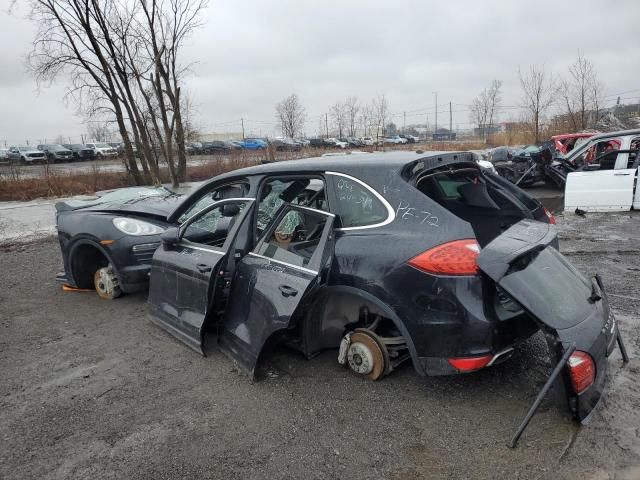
{"points": [[92, 389]]}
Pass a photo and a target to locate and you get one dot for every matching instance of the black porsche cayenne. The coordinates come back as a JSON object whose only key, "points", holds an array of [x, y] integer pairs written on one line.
{"points": [[389, 257]]}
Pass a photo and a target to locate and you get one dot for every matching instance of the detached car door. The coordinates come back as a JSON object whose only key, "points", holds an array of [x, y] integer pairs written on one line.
{"points": [[274, 281], [188, 269], [606, 185]]}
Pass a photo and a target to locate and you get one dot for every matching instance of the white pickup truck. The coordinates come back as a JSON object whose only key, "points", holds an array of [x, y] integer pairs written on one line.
{"points": [[607, 180]]}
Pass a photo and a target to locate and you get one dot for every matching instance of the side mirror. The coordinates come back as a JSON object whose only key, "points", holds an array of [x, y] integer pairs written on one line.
{"points": [[170, 237]]}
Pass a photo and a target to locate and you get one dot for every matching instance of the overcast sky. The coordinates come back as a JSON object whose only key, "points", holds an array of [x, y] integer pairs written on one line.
{"points": [[252, 53]]}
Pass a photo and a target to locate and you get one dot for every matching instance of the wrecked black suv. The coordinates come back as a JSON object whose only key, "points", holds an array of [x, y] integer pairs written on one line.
{"points": [[388, 257]]}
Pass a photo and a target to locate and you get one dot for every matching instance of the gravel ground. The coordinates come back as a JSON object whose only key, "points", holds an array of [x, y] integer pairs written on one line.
{"points": [[91, 389]]}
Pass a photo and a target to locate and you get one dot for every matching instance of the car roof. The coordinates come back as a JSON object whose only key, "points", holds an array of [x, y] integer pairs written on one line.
{"points": [[573, 135], [344, 164], [621, 133]]}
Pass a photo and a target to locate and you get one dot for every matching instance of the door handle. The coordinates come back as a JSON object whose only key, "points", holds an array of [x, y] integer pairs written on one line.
{"points": [[202, 268], [287, 291], [621, 174]]}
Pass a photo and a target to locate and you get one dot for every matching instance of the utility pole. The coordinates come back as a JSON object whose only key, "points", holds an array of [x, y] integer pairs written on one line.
{"points": [[450, 121], [404, 123], [435, 130], [242, 124], [326, 124]]}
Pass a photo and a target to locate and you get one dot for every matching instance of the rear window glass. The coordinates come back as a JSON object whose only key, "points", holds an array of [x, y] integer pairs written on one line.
{"points": [[550, 288], [356, 205]]}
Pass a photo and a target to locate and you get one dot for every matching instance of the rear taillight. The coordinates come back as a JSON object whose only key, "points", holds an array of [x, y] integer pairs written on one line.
{"points": [[469, 364], [452, 258], [552, 219], [582, 371]]}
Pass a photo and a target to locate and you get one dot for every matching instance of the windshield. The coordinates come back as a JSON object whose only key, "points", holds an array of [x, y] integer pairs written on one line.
{"points": [[56, 147], [102, 145], [131, 194]]}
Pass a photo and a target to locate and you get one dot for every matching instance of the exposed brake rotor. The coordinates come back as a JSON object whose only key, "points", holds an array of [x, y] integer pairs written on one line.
{"points": [[106, 283], [367, 355]]}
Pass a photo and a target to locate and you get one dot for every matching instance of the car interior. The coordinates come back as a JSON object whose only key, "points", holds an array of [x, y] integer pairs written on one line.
{"points": [[465, 194], [295, 238]]}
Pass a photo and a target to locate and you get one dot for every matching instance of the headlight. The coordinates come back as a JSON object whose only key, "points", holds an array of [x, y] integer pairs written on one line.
{"points": [[131, 226]]}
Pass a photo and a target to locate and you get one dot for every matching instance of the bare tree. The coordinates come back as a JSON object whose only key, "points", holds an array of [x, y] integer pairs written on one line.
{"points": [[291, 116], [98, 131], [537, 95], [380, 109], [486, 107], [580, 94], [365, 118], [352, 108], [338, 114], [69, 38], [123, 61]]}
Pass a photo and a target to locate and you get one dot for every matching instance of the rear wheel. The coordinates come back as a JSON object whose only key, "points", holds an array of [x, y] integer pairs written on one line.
{"points": [[106, 283], [366, 355]]}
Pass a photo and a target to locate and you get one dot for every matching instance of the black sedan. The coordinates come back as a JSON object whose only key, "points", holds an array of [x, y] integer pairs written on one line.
{"points": [[81, 152], [388, 257]]}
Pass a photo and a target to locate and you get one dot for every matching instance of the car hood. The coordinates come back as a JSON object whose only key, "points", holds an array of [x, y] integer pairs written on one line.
{"points": [[149, 201]]}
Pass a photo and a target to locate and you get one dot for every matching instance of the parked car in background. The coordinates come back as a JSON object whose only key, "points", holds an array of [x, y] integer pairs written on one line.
{"points": [[318, 143], [103, 150], [195, 148], [80, 151], [334, 142], [253, 144], [410, 138], [26, 154], [4, 155], [501, 154], [215, 147], [302, 141], [394, 139], [567, 142], [56, 153], [286, 145], [368, 141]]}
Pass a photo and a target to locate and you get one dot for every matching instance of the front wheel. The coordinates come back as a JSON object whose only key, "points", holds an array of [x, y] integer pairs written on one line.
{"points": [[106, 283]]}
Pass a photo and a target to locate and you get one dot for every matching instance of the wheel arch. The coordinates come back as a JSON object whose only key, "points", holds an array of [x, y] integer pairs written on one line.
{"points": [[320, 329], [88, 248]]}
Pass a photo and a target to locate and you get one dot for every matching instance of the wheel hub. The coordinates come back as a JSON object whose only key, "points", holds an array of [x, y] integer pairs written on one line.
{"points": [[360, 358], [365, 355], [106, 283]]}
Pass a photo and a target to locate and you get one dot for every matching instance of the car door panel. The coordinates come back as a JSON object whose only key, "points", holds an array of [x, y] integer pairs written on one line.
{"points": [[600, 191], [179, 293], [266, 294], [183, 280]]}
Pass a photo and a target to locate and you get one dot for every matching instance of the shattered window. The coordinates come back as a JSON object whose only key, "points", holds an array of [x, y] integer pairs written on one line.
{"points": [[213, 227], [236, 190], [308, 192], [295, 239]]}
